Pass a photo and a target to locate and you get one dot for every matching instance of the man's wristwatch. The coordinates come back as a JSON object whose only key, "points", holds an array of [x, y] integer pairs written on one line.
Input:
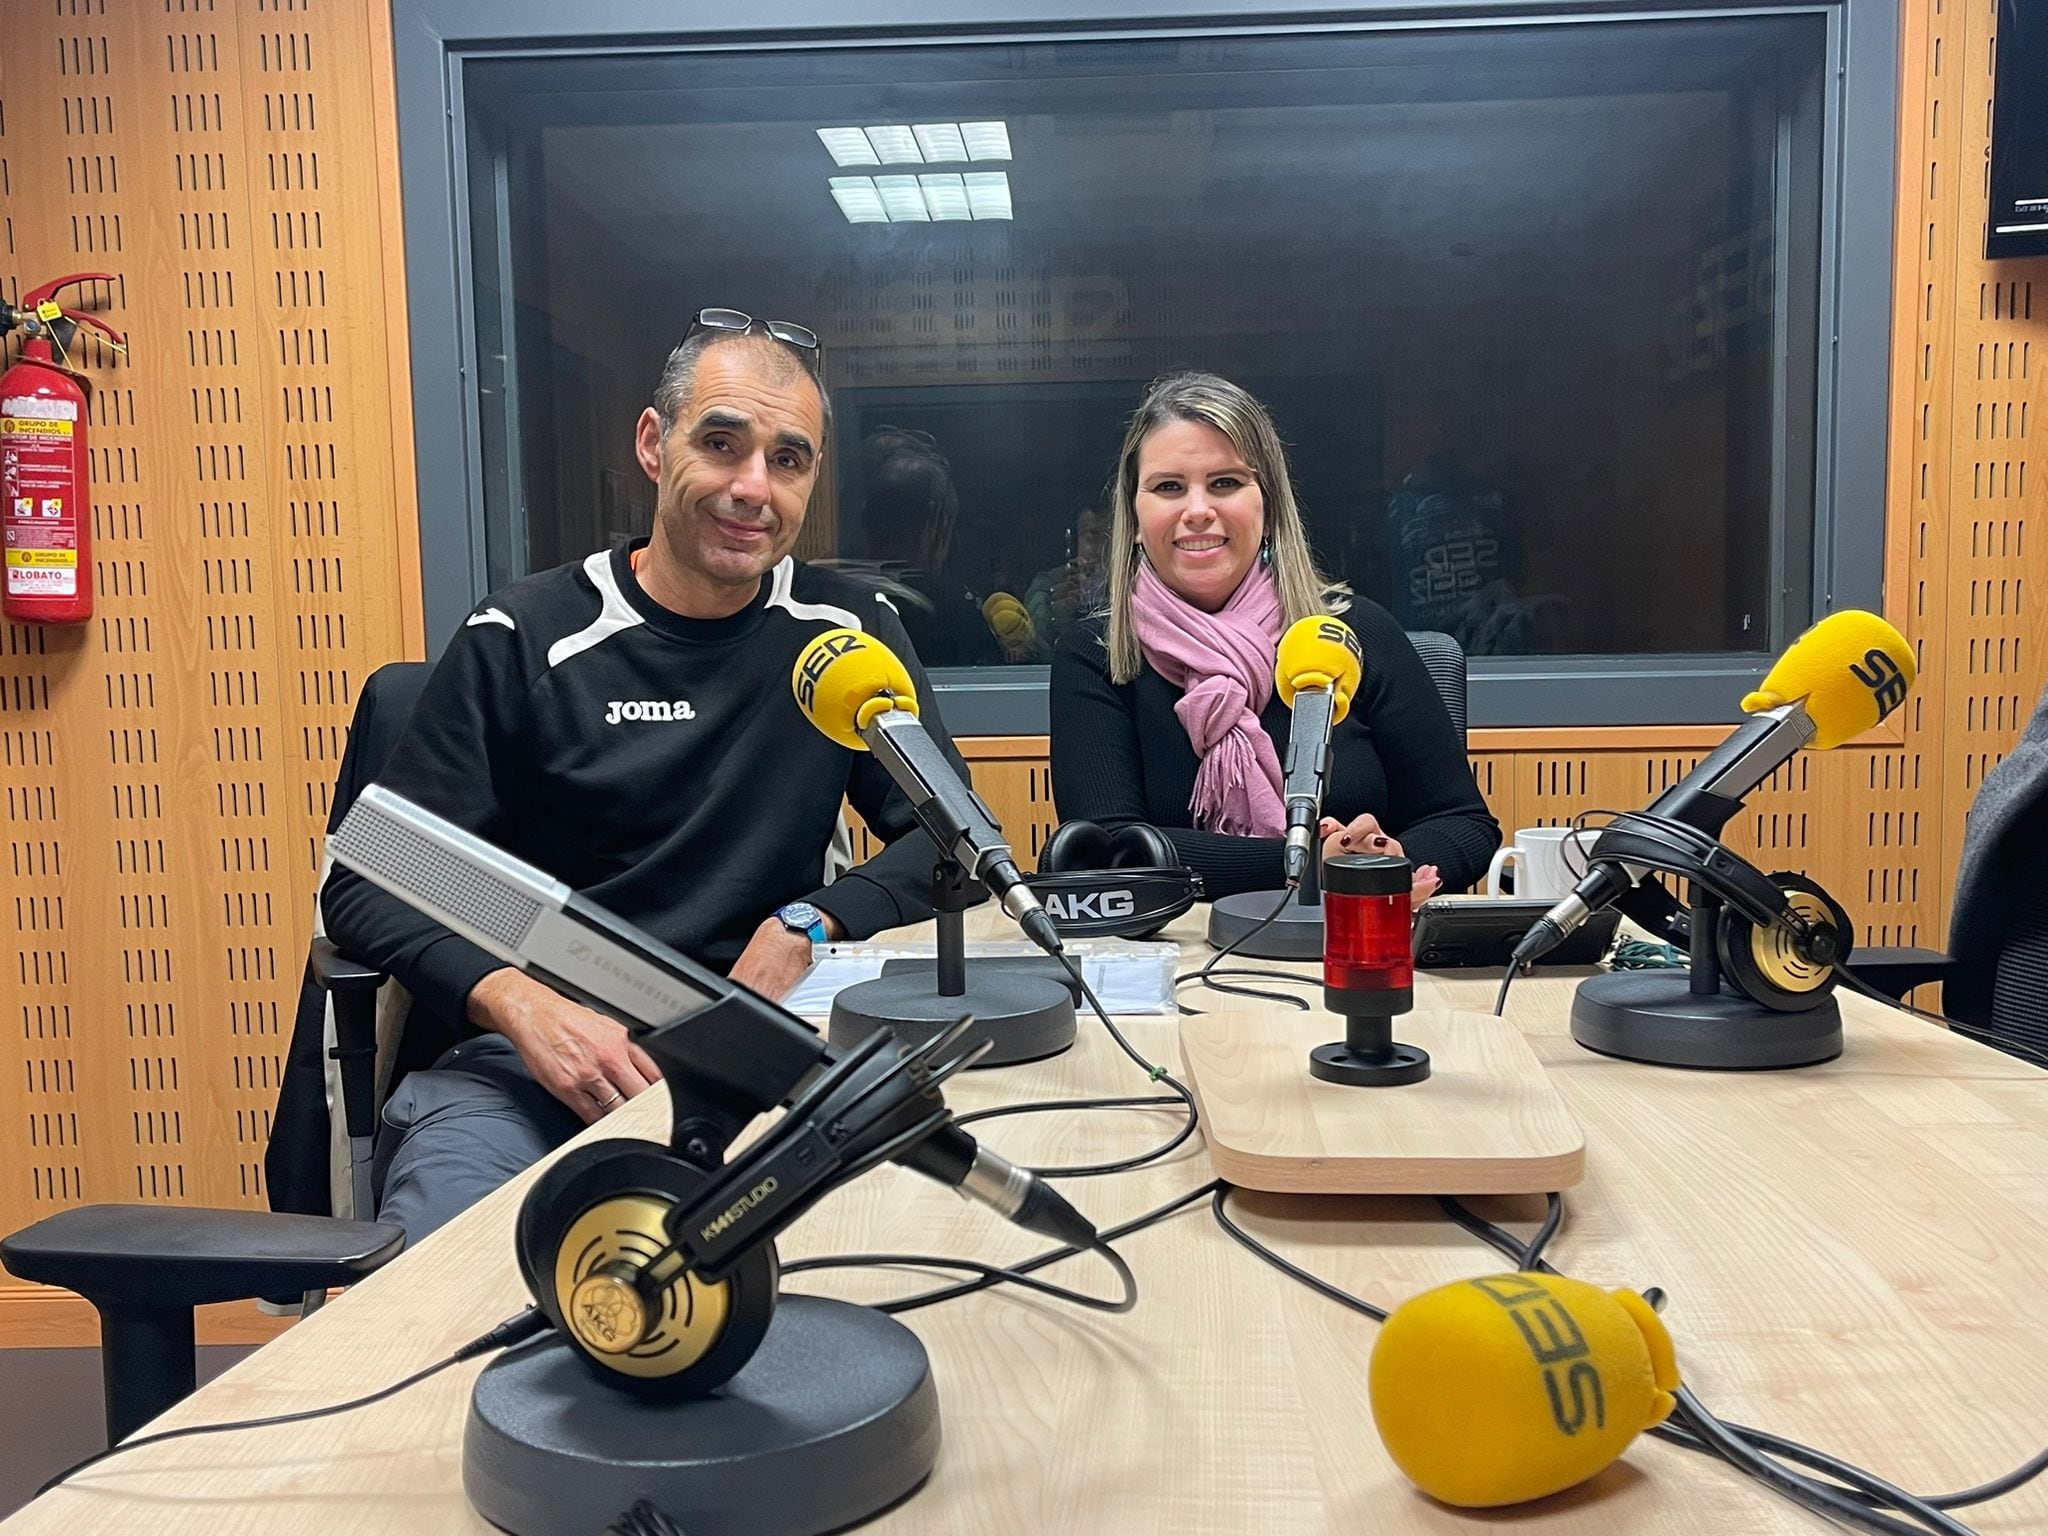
{"points": [[801, 917]]}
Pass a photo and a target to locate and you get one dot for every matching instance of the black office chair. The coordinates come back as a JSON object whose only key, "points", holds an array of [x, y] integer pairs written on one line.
{"points": [[145, 1268], [298, 1165], [1994, 976], [1445, 660]]}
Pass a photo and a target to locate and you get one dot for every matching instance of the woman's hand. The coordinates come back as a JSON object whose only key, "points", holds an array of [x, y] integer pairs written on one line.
{"points": [[1363, 835]]}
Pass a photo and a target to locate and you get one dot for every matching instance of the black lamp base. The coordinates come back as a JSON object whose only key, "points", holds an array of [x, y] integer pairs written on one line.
{"points": [[1337, 1062], [1656, 1017], [832, 1421]]}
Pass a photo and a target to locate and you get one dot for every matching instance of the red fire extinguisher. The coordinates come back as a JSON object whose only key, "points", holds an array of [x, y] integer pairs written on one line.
{"points": [[45, 484]]}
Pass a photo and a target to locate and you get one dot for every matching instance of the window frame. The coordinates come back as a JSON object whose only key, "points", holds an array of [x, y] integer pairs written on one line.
{"points": [[443, 188]]}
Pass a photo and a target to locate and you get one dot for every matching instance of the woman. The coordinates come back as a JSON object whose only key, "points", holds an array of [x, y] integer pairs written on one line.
{"points": [[1163, 707]]}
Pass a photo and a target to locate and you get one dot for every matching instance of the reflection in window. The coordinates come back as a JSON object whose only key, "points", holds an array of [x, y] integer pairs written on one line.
{"points": [[1532, 307]]}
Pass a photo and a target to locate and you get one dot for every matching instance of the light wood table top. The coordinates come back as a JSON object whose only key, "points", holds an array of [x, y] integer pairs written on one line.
{"points": [[1855, 1254]]}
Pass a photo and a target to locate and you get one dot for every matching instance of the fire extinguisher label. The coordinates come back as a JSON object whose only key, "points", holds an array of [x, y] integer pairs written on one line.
{"points": [[42, 531]]}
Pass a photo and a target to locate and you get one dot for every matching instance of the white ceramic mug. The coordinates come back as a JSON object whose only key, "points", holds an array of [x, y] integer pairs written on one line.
{"points": [[1548, 862]]}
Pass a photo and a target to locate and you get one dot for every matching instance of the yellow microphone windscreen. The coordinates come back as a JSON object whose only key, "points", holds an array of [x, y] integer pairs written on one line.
{"points": [[843, 679], [1007, 618], [1851, 670], [1319, 652], [1512, 1387]]}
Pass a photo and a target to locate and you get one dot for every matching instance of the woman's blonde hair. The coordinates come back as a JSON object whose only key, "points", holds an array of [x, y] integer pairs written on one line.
{"points": [[1204, 397]]}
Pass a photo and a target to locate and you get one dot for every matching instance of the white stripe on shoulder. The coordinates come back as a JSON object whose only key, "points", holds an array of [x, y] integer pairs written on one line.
{"points": [[778, 597], [489, 616], [617, 614], [883, 599]]}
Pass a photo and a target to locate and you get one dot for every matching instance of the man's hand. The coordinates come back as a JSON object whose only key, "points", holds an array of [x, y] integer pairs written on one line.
{"points": [[584, 1059], [1364, 836], [776, 958]]}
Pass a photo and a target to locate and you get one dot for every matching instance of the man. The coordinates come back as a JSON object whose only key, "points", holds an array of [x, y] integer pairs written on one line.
{"points": [[909, 513], [627, 724], [1075, 588]]}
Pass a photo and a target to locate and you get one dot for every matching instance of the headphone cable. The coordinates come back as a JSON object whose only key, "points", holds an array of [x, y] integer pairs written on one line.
{"points": [[2016, 1048], [1287, 1267], [516, 1329], [992, 1275], [1178, 1094], [1864, 1487], [1207, 969]]}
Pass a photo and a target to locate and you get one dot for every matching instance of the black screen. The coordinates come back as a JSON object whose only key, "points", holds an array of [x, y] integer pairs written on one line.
{"points": [[2019, 133]]}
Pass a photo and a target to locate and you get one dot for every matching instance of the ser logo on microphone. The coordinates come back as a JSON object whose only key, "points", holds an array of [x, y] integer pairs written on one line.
{"points": [[821, 655], [1881, 675], [1556, 1346], [1339, 634]]}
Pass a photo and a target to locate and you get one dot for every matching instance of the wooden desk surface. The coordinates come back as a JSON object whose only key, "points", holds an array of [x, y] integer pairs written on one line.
{"points": [[1855, 1254]]}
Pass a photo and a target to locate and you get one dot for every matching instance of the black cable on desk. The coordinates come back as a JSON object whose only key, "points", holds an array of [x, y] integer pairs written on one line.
{"points": [[2019, 1048], [1527, 1255], [514, 1330], [1158, 1074], [645, 1519], [1206, 973], [985, 1281], [1287, 1267], [1864, 1492], [994, 1274], [1697, 1429]]}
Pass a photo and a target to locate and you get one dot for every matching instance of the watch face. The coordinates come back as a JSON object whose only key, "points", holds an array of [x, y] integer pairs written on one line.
{"points": [[799, 915]]}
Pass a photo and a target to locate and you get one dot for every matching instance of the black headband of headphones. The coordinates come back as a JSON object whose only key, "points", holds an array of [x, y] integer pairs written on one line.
{"points": [[1747, 894], [1125, 884]]}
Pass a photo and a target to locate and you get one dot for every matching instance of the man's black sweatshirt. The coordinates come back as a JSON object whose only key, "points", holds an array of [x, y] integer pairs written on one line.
{"points": [[657, 764]]}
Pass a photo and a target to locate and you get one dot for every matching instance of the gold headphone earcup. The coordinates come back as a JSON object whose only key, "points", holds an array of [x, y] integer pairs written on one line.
{"points": [[598, 1214], [1766, 965]]}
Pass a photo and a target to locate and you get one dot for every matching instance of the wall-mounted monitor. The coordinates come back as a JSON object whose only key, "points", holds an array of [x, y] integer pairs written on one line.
{"points": [[2019, 134]]}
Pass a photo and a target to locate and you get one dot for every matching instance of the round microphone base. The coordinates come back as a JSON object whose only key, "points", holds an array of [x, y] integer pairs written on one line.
{"points": [[1655, 1017], [1024, 1017], [834, 1419], [1296, 934]]}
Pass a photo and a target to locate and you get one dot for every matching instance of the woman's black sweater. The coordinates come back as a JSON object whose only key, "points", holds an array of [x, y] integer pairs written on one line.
{"points": [[1120, 755]]}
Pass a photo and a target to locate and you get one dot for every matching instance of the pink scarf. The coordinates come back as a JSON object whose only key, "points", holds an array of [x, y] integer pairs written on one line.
{"points": [[1223, 662]]}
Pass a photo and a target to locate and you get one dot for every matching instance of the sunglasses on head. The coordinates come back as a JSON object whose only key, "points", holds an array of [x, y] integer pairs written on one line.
{"points": [[733, 321]]}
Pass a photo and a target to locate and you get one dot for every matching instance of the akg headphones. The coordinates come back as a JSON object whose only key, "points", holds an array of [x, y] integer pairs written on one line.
{"points": [[1125, 884], [1781, 939]]}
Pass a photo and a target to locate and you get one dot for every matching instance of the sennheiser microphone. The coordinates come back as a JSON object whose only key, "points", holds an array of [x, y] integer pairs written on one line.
{"points": [[1317, 672], [858, 692], [1836, 681], [532, 921]]}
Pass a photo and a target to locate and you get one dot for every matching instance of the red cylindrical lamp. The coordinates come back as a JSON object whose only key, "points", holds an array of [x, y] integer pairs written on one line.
{"points": [[1368, 972]]}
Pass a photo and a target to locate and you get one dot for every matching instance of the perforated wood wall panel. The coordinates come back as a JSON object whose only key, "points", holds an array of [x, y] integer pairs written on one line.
{"points": [[167, 765]]}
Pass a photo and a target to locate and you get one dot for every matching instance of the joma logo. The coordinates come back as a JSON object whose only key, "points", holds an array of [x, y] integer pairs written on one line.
{"points": [[647, 709]]}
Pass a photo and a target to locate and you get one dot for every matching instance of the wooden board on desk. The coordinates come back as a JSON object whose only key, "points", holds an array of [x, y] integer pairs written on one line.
{"points": [[1487, 1120]]}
